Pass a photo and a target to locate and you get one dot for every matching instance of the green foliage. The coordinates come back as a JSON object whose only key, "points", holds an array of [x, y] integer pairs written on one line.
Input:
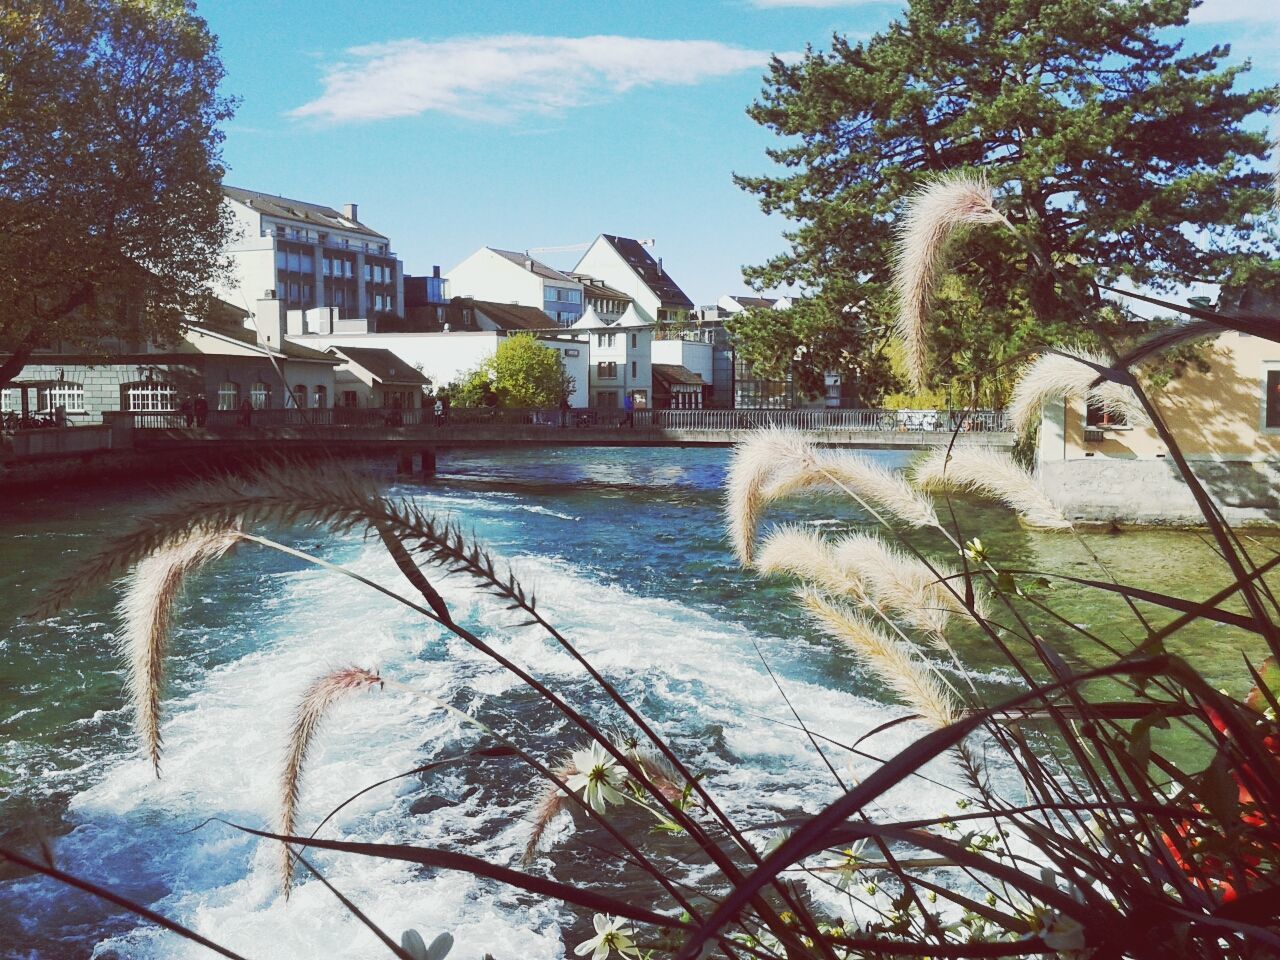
{"points": [[1111, 149], [110, 171], [522, 373]]}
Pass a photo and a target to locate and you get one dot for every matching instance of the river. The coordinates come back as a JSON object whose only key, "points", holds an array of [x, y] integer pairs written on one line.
{"points": [[625, 551]]}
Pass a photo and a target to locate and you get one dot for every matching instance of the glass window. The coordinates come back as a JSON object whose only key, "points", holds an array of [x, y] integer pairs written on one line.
{"points": [[10, 401], [350, 398], [633, 341], [1097, 416], [349, 268], [69, 396], [308, 263], [328, 265], [368, 272], [300, 396], [608, 399], [633, 370], [607, 371], [151, 397], [322, 397], [1273, 398], [228, 395], [282, 260], [260, 396]]}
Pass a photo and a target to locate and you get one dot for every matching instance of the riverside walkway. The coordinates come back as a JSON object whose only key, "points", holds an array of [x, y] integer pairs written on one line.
{"points": [[344, 430]]}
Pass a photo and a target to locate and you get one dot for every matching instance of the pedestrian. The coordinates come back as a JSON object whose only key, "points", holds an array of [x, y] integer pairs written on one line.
{"points": [[201, 408], [439, 409], [246, 412], [629, 405], [564, 410], [188, 412]]}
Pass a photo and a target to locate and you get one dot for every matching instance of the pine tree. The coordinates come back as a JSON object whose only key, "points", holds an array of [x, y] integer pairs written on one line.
{"points": [[1122, 153]]}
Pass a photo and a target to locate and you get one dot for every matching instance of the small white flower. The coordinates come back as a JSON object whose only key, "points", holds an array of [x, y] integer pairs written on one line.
{"points": [[598, 776], [975, 551], [612, 933], [1063, 934]]}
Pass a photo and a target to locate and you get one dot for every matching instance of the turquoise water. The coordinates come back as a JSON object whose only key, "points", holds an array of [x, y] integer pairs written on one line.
{"points": [[625, 551]]}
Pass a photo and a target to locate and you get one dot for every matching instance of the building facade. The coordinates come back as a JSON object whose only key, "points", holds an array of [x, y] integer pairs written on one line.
{"points": [[628, 267], [307, 255], [1099, 469], [506, 276]]}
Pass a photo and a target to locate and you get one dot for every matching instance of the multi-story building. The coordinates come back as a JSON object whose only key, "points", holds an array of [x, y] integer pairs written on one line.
{"points": [[621, 360], [626, 266], [608, 303], [307, 256], [505, 276]]}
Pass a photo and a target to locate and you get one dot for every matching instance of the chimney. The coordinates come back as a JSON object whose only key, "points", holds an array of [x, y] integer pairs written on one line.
{"points": [[351, 212], [528, 263], [659, 266], [435, 271]]}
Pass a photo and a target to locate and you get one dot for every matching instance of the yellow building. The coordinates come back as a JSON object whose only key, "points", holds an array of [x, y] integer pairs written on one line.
{"points": [[1226, 422]]}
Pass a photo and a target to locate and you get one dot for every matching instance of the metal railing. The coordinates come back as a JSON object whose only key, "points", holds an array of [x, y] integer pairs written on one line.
{"points": [[860, 420]]}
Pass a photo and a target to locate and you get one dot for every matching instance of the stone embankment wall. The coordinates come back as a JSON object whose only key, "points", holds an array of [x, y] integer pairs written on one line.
{"points": [[1120, 493]]}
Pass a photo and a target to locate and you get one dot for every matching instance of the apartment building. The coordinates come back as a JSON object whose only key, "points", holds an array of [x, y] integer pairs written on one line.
{"points": [[310, 256], [627, 266]]}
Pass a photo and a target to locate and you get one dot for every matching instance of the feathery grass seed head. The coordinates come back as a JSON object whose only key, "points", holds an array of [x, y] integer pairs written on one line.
{"points": [[1067, 374], [992, 475], [753, 464], [933, 215], [322, 694], [146, 614]]}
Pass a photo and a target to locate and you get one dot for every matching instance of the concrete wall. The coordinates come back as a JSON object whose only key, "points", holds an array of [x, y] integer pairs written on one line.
{"points": [[445, 357], [1151, 492]]}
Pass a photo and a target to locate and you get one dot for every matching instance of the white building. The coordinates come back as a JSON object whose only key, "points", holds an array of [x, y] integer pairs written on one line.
{"points": [[310, 256], [683, 374], [608, 303], [376, 377], [729, 304], [626, 266], [621, 360], [505, 276]]}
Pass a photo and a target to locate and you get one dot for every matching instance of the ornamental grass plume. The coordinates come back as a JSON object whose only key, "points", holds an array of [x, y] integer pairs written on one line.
{"points": [[1066, 373], [876, 486], [992, 475], [904, 585], [753, 464], [807, 555], [933, 215], [146, 616], [894, 661], [323, 693]]}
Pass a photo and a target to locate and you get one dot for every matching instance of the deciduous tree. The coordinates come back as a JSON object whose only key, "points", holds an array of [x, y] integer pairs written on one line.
{"points": [[110, 174], [1125, 156], [522, 373]]}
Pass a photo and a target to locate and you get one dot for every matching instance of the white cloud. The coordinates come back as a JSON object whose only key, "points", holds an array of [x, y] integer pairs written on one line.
{"points": [[503, 78], [1236, 11]]}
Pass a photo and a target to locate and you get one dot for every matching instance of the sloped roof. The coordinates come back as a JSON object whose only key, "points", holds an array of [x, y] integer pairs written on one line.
{"points": [[599, 287], [631, 318], [675, 374], [756, 302], [654, 277], [290, 350], [511, 316], [536, 267], [383, 365], [299, 211]]}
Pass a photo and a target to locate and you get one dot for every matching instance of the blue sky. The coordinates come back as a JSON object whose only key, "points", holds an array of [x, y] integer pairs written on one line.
{"points": [[545, 122]]}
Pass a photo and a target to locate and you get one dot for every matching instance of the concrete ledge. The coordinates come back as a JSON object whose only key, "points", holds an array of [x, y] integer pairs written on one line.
{"points": [[1113, 492]]}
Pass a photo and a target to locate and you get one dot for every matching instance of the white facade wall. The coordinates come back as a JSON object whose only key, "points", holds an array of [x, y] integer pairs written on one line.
{"points": [[446, 357], [604, 262], [691, 354], [486, 275]]}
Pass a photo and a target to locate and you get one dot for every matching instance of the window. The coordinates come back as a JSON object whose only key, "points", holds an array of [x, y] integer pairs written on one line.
{"points": [[349, 268], [282, 260], [605, 339], [150, 397], [10, 401], [69, 396], [633, 341], [328, 266], [607, 371], [260, 396], [633, 370], [1095, 415], [322, 397], [308, 263], [640, 398], [350, 398], [300, 396], [228, 395], [1272, 400], [607, 399], [368, 272]]}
